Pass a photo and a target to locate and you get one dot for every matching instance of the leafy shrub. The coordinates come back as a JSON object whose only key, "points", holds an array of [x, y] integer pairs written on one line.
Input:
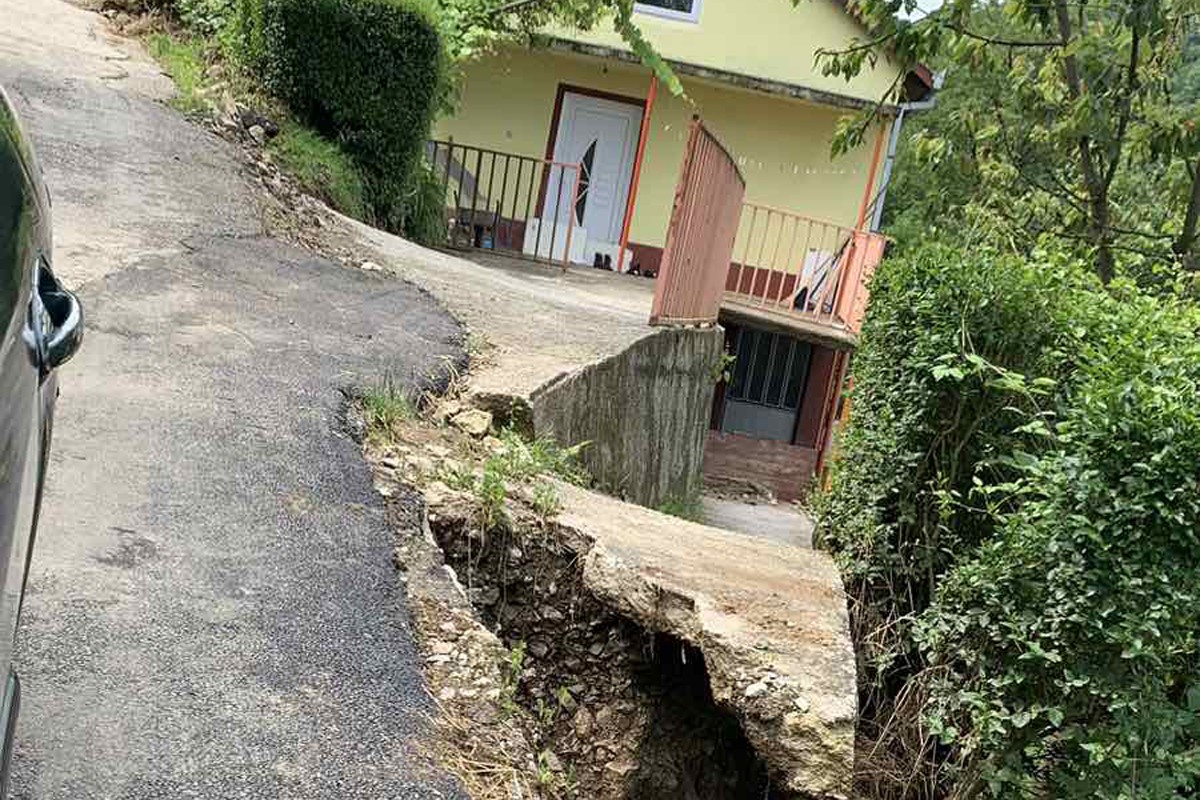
{"points": [[246, 35], [938, 393], [367, 73], [1017, 516], [1064, 656], [425, 207], [206, 17]]}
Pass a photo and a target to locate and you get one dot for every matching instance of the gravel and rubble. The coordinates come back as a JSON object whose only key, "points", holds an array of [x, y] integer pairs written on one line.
{"points": [[596, 673]]}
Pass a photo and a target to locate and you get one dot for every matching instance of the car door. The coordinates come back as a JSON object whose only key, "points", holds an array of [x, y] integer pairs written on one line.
{"points": [[41, 326], [22, 232]]}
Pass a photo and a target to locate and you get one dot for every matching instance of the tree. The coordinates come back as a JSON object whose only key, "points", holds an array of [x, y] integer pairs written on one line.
{"points": [[474, 27], [1076, 110]]}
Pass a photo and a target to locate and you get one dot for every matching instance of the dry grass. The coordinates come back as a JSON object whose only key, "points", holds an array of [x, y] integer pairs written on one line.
{"points": [[898, 759], [489, 760]]}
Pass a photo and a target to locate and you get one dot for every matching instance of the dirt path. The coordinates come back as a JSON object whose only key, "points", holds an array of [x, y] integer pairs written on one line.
{"points": [[213, 610]]}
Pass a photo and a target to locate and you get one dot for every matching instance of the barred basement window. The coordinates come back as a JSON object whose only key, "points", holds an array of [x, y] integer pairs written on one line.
{"points": [[770, 369]]}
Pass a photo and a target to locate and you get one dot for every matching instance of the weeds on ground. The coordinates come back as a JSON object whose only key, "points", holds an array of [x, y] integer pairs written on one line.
{"points": [[521, 459], [546, 502], [518, 461], [184, 60], [477, 344], [492, 493], [318, 165], [384, 409], [511, 673], [685, 508], [321, 168]]}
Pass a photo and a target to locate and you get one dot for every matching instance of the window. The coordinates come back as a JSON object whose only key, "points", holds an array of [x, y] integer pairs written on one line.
{"points": [[770, 369], [585, 180], [687, 10]]}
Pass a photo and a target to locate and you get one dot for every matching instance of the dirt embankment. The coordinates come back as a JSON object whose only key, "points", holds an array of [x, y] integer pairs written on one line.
{"points": [[550, 686]]}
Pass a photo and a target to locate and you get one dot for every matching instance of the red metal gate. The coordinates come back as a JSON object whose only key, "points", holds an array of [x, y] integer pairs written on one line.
{"points": [[704, 224]]}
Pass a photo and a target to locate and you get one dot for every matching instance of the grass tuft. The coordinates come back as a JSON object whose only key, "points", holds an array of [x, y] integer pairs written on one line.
{"points": [[688, 508], [519, 461], [184, 60], [321, 168], [384, 410]]}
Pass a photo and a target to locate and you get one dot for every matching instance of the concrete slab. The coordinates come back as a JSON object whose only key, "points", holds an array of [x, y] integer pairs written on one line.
{"points": [[769, 618], [785, 524], [539, 321]]}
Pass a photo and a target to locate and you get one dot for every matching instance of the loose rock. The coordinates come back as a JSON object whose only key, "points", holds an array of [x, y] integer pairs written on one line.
{"points": [[473, 422]]}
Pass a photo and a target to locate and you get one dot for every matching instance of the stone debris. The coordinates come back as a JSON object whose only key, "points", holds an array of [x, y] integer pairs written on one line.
{"points": [[446, 409], [474, 422], [755, 690], [645, 657]]}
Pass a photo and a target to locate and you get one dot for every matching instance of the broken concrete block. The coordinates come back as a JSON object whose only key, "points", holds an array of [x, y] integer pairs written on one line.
{"points": [[447, 409], [473, 422]]}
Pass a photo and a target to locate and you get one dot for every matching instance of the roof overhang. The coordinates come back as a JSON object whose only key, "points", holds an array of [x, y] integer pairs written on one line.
{"points": [[749, 82]]}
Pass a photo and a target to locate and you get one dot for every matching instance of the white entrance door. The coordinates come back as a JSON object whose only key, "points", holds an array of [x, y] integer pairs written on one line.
{"points": [[601, 136]]}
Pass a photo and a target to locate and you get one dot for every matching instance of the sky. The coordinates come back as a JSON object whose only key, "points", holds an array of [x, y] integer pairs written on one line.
{"points": [[923, 8]]}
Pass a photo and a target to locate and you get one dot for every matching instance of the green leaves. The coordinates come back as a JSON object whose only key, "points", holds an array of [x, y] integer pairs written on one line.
{"points": [[1081, 611], [952, 360], [623, 24], [472, 28], [1015, 513], [369, 74], [1076, 122]]}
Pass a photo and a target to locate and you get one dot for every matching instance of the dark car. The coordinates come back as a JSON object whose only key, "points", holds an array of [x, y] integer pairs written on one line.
{"points": [[41, 326]]}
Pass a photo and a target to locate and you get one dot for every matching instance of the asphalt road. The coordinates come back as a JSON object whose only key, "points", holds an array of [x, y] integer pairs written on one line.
{"points": [[213, 611]]}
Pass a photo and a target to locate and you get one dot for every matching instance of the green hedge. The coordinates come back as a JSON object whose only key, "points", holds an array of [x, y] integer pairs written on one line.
{"points": [[934, 403], [369, 74], [1016, 513], [1065, 654]]}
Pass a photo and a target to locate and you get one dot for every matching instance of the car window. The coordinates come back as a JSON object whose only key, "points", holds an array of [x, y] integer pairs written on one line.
{"points": [[15, 219]]}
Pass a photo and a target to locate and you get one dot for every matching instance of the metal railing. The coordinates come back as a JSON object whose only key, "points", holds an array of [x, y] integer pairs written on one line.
{"points": [[802, 267], [507, 202], [701, 234]]}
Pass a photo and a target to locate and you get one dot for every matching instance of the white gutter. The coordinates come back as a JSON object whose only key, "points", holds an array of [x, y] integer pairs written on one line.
{"points": [[894, 143]]}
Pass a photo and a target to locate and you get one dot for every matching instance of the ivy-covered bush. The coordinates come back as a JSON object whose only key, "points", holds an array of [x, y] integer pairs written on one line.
{"points": [[1064, 655], [368, 73]]}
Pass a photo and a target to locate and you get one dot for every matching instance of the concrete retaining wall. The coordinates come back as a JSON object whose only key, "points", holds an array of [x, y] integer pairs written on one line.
{"points": [[645, 411]]}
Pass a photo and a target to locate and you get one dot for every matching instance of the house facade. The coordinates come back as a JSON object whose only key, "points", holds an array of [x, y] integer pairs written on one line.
{"points": [[748, 70]]}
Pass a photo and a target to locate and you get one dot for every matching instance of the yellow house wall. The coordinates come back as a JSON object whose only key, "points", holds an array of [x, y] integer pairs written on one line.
{"points": [[782, 145], [762, 38]]}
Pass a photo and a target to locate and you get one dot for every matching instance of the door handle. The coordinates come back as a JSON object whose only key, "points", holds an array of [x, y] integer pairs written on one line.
{"points": [[63, 321]]}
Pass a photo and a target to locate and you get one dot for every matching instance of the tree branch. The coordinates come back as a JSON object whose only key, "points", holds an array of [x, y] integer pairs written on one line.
{"points": [[1187, 237], [1004, 42], [1092, 181], [1131, 87]]}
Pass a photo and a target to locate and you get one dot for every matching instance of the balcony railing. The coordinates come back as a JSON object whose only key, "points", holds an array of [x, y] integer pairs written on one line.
{"points": [[507, 202], [792, 267]]}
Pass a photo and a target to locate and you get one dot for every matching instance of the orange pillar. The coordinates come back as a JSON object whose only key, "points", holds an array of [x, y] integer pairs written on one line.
{"points": [[634, 181], [870, 187]]}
